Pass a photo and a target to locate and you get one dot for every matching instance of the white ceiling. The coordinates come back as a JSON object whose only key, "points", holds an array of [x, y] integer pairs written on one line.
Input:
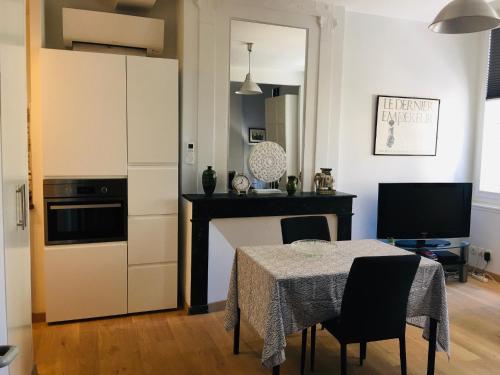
{"points": [[420, 10], [276, 47]]}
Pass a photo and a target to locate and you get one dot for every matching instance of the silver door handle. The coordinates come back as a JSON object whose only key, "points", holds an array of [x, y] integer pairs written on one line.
{"points": [[22, 215], [7, 354], [82, 206]]}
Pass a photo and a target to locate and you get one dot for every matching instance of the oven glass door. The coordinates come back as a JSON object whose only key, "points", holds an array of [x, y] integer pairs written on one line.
{"points": [[70, 221]]}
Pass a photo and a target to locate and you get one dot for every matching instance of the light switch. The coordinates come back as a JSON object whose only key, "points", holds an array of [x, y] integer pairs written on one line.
{"points": [[189, 153]]}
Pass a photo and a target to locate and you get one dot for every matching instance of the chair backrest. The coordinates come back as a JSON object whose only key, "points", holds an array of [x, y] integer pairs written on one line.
{"points": [[376, 297], [304, 228]]}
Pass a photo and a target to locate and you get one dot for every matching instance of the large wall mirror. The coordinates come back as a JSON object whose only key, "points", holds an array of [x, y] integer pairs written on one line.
{"points": [[267, 105]]}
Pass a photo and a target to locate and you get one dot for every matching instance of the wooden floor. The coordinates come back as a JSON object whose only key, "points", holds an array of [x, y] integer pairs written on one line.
{"points": [[173, 343]]}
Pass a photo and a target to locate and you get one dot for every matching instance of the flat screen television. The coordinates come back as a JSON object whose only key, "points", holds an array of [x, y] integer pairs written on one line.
{"points": [[415, 212]]}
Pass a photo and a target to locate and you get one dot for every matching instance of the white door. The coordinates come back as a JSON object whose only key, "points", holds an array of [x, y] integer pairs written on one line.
{"points": [[152, 106], [15, 275], [85, 280], [84, 114]]}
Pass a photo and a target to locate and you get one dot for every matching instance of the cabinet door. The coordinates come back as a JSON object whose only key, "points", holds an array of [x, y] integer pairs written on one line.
{"points": [[15, 270], [152, 190], [85, 281], [152, 110], [152, 287], [83, 114], [152, 239]]}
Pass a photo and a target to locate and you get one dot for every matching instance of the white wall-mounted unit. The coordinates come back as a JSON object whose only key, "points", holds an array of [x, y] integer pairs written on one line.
{"points": [[145, 4], [85, 26]]}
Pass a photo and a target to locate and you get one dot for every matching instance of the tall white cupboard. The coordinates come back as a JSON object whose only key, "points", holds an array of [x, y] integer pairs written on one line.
{"points": [[152, 110], [108, 116]]}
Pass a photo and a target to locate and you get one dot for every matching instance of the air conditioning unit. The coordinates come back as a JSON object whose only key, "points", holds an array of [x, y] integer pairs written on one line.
{"points": [[148, 4], [111, 29]]}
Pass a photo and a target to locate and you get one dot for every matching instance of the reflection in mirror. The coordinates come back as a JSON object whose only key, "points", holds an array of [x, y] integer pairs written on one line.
{"points": [[270, 59]]}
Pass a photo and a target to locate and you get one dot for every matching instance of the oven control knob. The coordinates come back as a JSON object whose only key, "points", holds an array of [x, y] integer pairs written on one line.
{"points": [[104, 189]]}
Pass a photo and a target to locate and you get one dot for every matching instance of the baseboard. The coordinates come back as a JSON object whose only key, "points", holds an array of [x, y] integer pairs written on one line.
{"points": [[216, 306], [38, 317], [200, 309], [480, 270]]}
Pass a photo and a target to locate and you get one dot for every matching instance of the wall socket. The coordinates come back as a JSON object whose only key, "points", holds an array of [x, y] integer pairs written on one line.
{"points": [[480, 253]]}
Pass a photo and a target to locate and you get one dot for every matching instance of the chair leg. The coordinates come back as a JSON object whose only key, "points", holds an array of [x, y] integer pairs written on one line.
{"points": [[313, 346], [303, 354], [362, 353], [236, 334], [343, 359], [402, 354]]}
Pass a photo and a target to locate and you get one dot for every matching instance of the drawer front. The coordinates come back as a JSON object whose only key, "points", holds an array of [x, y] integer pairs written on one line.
{"points": [[152, 239], [85, 281], [152, 190], [152, 287]]}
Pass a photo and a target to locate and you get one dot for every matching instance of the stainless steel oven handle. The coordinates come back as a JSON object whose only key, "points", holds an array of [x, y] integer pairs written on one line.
{"points": [[82, 206]]}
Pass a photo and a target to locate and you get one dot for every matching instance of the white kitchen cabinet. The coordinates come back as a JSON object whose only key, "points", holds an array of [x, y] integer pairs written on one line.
{"points": [[152, 239], [152, 110], [85, 280], [152, 190], [152, 287], [153, 138], [83, 114]]}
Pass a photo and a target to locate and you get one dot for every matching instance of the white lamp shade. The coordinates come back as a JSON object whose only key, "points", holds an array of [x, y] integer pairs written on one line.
{"points": [[249, 87], [465, 16]]}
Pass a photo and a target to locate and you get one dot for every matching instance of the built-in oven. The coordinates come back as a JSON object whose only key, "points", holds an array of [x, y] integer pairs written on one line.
{"points": [[85, 210]]}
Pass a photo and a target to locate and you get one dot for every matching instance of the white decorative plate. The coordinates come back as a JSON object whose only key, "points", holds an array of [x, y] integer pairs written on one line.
{"points": [[267, 161]]}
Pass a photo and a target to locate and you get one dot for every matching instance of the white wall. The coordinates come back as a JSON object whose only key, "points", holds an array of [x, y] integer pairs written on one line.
{"points": [[386, 56]]}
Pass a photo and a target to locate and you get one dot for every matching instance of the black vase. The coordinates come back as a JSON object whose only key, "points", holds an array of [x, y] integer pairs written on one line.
{"points": [[209, 180]]}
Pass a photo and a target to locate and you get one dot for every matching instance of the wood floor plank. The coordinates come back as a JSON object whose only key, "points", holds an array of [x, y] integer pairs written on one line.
{"points": [[174, 343]]}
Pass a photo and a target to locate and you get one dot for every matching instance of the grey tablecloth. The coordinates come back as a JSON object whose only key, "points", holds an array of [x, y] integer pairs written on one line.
{"points": [[280, 290]]}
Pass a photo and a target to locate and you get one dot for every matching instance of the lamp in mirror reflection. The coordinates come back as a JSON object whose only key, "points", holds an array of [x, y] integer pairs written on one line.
{"points": [[465, 16], [249, 87]]}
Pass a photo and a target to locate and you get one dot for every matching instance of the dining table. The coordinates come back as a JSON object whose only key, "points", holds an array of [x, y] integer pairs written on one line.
{"points": [[284, 289]]}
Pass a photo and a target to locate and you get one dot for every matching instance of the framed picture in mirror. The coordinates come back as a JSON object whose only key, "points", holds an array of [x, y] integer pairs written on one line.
{"points": [[256, 135]]}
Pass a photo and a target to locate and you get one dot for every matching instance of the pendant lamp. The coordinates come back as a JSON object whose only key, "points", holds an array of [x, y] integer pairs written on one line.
{"points": [[249, 87], [465, 16]]}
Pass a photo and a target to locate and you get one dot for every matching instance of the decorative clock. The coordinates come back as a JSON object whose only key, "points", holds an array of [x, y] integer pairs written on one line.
{"points": [[241, 183]]}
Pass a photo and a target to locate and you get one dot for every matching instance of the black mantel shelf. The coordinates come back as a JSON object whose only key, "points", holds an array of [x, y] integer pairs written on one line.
{"points": [[230, 205]]}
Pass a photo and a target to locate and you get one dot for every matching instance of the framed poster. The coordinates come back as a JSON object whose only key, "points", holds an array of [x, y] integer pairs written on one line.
{"points": [[406, 126], [256, 135]]}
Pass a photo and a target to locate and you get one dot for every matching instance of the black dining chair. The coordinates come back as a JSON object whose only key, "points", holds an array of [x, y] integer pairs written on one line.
{"points": [[374, 304], [305, 228]]}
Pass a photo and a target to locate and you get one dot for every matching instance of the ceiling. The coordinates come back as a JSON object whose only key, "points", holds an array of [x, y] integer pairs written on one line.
{"points": [[275, 48], [420, 10]]}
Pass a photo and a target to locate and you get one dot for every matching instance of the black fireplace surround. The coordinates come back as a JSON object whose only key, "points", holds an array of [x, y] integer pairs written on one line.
{"points": [[231, 205]]}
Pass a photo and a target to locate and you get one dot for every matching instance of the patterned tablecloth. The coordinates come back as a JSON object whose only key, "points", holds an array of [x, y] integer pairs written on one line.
{"points": [[281, 290]]}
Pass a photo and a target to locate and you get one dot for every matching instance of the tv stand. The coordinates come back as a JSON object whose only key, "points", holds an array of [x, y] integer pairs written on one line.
{"points": [[452, 254], [415, 244]]}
